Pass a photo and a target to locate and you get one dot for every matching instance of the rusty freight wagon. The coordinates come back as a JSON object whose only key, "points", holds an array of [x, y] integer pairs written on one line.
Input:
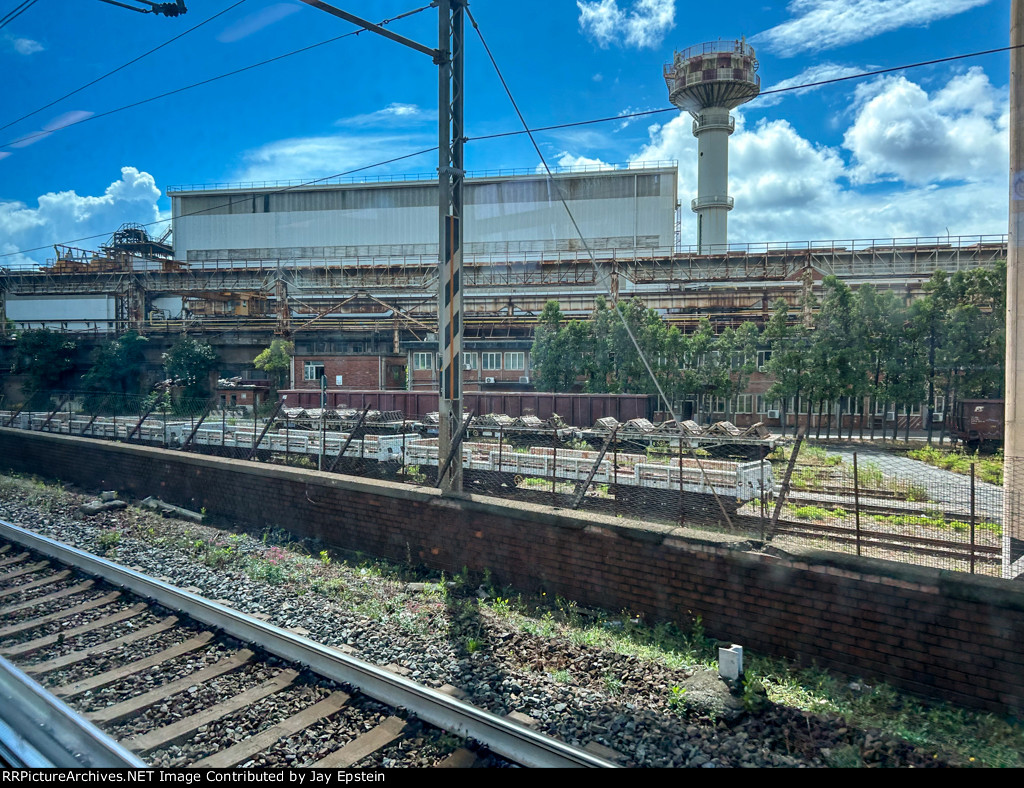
{"points": [[577, 410], [976, 421]]}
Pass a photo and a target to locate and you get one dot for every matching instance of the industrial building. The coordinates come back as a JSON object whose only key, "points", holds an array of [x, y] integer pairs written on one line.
{"points": [[348, 272]]}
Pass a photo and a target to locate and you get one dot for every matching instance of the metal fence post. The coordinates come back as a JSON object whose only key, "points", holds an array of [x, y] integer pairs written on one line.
{"points": [[615, 474], [856, 500], [763, 505], [679, 457], [972, 518], [404, 462], [501, 441], [554, 463]]}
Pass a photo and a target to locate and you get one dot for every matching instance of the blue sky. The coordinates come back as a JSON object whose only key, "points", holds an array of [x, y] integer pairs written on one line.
{"points": [[916, 153]]}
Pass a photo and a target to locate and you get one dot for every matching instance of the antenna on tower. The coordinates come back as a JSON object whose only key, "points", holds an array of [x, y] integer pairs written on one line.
{"points": [[708, 80]]}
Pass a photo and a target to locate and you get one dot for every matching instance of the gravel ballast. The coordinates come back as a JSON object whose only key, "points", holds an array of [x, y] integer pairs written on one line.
{"points": [[438, 633]]}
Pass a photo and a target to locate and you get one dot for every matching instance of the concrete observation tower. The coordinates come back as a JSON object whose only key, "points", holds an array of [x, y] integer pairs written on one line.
{"points": [[708, 80]]}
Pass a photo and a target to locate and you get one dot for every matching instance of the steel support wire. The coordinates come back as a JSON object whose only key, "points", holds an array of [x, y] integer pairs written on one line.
{"points": [[508, 739], [37, 731], [593, 258]]}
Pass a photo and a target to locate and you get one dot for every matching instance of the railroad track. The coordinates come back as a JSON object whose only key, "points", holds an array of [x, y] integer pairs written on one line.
{"points": [[894, 541], [101, 665]]}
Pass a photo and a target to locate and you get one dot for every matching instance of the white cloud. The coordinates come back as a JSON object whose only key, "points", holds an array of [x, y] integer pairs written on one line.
{"points": [[62, 121], [912, 164], [567, 161], [20, 46], [26, 46], [61, 217], [643, 25], [900, 132], [392, 114], [817, 73], [826, 24], [256, 21], [307, 158]]}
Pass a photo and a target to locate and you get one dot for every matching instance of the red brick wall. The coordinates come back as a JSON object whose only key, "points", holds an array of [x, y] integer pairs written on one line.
{"points": [[939, 633], [358, 372]]}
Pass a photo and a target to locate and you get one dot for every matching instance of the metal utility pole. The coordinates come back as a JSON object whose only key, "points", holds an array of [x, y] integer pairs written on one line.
{"points": [[1013, 462], [451, 175], [450, 171]]}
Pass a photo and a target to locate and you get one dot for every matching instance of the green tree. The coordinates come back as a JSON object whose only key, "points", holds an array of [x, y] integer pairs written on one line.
{"points": [[45, 358], [708, 364], [117, 365], [276, 360], [189, 363], [838, 358], [878, 323], [789, 364]]}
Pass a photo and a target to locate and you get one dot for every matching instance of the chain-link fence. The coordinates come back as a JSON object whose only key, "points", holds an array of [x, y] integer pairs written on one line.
{"points": [[912, 502]]}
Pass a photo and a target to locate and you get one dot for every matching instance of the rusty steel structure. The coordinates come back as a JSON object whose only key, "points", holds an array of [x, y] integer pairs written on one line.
{"points": [[503, 293]]}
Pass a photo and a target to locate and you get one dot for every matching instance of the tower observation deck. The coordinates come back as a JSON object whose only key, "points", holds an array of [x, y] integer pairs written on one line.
{"points": [[708, 80]]}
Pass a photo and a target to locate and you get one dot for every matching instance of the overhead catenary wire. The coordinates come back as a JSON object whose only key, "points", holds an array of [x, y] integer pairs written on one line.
{"points": [[20, 141], [123, 66], [770, 92], [593, 261], [228, 204], [572, 218], [483, 137], [14, 13]]}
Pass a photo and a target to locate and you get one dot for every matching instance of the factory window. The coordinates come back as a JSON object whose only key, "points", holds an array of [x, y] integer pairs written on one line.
{"points": [[312, 370], [422, 360], [744, 403], [491, 360], [739, 359], [515, 361], [763, 357], [469, 361], [718, 405]]}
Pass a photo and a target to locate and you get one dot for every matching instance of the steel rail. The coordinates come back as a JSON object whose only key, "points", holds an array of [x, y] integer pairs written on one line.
{"points": [[39, 731], [504, 737]]}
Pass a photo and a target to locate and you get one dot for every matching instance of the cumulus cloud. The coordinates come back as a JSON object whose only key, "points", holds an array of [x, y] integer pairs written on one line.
{"points": [[256, 21], [911, 164], [902, 133], [61, 217], [644, 24], [826, 24], [567, 161]]}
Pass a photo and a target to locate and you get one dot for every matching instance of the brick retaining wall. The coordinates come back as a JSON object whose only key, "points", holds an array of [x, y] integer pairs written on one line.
{"points": [[934, 632]]}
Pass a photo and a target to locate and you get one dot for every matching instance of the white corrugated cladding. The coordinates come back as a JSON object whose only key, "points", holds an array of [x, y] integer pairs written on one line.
{"points": [[78, 312], [615, 209]]}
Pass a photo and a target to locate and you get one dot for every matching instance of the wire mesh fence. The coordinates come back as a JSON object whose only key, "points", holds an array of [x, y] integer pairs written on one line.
{"points": [[909, 502]]}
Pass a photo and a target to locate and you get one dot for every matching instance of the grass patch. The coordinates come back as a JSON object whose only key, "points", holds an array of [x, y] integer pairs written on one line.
{"points": [[987, 469], [817, 513], [968, 738], [937, 521]]}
